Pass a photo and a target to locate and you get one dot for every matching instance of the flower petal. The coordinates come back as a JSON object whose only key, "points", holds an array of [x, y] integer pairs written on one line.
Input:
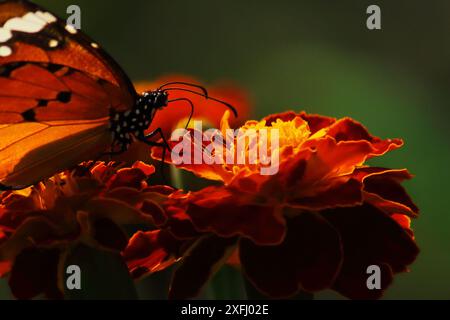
{"points": [[128, 177], [315, 122], [324, 161], [228, 214], [33, 231], [151, 251], [383, 189], [117, 211], [369, 237], [145, 168], [199, 265], [309, 258], [5, 268], [109, 235], [34, 272], [347, 129], [341, 195]]}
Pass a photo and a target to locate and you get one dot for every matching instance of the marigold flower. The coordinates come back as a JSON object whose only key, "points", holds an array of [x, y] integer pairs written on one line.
{"points": [[317, 223], [88, 205]]}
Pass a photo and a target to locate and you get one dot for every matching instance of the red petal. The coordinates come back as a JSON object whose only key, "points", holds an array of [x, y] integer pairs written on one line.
{"points": [[342, 195], [325, 159], [198, 266], [129, 177], [227, 214], [309, 258], [283, 116], [317, 122], [349, 130], [369, 237], [34, 272], [5, 268], [165, 190], [145, 168], [34, 230], [16, 202], [180, 225], [153, 209], [109, 235], [151, 251], [385, 183]]}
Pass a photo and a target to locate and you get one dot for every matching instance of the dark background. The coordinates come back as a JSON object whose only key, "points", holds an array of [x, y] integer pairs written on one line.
{"points": [[316, 56]]}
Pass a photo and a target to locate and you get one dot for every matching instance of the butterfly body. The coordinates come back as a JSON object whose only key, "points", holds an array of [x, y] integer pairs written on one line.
{"points": [[126, 126]]}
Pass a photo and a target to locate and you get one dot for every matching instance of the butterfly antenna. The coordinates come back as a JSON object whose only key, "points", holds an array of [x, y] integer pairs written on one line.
{"points": [[203, 89], [229, 106]]}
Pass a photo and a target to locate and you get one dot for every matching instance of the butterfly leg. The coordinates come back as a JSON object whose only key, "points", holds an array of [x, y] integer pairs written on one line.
{"points": [[152, 134], [112, 153], [164, 145]]}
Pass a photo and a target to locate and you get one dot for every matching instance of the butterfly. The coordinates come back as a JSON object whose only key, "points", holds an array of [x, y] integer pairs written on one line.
{"points": [[64, 100]]}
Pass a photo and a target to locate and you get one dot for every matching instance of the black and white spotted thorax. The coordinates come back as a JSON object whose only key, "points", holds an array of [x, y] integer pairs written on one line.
{"points": [[128, 126]]}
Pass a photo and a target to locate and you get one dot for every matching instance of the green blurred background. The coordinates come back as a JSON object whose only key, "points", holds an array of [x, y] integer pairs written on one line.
{"points": [[316, 56]]}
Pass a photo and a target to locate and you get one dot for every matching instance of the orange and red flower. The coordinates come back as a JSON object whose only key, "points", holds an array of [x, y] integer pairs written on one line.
{"points": [[318, 223], [86, 205]]}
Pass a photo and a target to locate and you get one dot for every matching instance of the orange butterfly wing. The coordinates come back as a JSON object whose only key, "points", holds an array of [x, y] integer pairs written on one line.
{"points": [[56, 91]]}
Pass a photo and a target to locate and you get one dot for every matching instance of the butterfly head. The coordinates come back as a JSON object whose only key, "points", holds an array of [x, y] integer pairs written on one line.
{"points": [[156, 99]]}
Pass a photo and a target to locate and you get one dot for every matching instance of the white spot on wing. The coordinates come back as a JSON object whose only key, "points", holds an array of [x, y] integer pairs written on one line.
{"points": [[53, 43], [5, 35], [71, 29], [5, 51], [33, 18], [22, 25], [94, 45], [28, 23], [47, 16]]}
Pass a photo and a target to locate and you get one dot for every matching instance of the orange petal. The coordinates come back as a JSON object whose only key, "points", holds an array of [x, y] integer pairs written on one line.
{"points": [[227, 214], [199, 265], [309, 258], [145, 168], [350, 130], [151, 251]]}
